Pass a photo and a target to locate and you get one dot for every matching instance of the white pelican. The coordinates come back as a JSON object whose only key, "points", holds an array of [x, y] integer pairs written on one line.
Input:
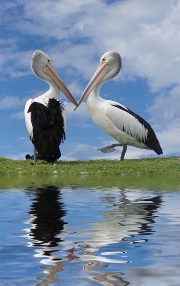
{"points": [[118, 121], [44, 115]]}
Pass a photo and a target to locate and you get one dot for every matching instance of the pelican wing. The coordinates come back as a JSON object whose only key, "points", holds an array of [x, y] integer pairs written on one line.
{"points": [[48, 128], [126, 121], [132, 124]]}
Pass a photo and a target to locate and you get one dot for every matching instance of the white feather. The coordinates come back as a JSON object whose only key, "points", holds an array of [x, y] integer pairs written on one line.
{"points": [[120, 123], [112, 120], [125, 121], [27, 116]]}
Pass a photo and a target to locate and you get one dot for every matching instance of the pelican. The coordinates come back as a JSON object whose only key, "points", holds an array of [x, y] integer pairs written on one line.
{"points": [[44, 115], [116, 120]]}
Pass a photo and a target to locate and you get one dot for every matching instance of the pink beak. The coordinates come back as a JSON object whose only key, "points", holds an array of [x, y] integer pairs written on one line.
{"points": [[49, 70], [101, 71]]}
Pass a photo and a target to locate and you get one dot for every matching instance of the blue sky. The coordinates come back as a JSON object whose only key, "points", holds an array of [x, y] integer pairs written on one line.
{"points": [[75, 34]]}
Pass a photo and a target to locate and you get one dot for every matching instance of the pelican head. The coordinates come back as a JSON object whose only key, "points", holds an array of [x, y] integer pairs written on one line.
{"points": [[110, 59], [42, 68], [109, 67]]}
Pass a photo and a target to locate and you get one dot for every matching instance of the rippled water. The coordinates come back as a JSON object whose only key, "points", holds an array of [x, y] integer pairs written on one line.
{"points": [[89, 236]]}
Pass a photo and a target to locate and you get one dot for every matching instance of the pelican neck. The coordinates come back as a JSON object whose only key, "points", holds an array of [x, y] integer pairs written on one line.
{"points": [[53, 92]]}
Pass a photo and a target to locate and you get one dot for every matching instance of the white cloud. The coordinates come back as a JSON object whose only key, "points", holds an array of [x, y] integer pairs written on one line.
{"points": [[10, 102], [147, 38], [78, 151], [76, 33], [22, 139], [166, 109], [20, 156], [166, 119], [170, 140], [81, 112], [18, 115], [75, 89], [14, 63]]}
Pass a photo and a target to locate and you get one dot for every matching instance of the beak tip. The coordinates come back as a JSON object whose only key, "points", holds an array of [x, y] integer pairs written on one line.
{"points": [[76, 107]]}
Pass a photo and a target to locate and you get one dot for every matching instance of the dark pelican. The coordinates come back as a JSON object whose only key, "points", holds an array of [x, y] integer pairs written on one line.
{"points": [[118, 121], [44, 115]]}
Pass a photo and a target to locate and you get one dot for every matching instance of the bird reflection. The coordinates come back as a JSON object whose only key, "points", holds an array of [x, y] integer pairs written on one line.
{"points": [[139, 212], [129, 218], [126, 221], [48, 211], [106, 278], [46, 233]]}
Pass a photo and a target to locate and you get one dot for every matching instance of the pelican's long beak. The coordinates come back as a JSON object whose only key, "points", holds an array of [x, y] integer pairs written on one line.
{"points": [[101, 71], [49, 70]]}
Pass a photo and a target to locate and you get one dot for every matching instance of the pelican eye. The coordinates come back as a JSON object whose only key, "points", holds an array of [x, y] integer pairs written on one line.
{"points": [[48, 60], [104, 59]]}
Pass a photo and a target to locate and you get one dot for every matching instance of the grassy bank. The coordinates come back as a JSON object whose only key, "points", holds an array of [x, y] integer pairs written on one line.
{"points": [[169, 165], [154, 174]]}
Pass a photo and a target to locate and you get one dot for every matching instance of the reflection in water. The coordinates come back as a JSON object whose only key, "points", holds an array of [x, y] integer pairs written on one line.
{"points": [[47, 213], [106, 278], [128, 218], [103, 246]]}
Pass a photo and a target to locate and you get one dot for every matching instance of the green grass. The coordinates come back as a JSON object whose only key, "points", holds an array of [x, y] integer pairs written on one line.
{"points": [[169, 165], [154, 173]]}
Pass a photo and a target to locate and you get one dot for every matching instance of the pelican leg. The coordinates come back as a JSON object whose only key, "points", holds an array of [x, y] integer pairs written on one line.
{"points": [[123, 152], [35, 153], [109, 148]]}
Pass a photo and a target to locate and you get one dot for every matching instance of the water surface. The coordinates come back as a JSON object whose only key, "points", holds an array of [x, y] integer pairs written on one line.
{"points": [[55, 234]]}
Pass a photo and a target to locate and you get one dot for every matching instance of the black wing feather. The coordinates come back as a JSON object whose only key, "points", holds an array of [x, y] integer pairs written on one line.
{"points": [[151, 141], [48, 128]]}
